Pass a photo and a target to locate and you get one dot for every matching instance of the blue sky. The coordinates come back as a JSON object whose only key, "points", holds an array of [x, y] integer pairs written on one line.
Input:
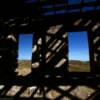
{"points": [[78, 46], [25, 46], [77, 52]]}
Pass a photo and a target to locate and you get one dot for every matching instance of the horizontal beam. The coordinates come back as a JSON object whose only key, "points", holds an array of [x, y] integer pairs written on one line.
{"points": [[33, 24]]}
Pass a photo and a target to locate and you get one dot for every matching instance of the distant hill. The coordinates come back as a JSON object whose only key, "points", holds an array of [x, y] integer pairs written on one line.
{"points": [[24, 63], [79, 66], [74, 66]]}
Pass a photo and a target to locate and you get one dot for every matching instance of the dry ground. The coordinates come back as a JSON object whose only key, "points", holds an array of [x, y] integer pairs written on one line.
{"points": [[24, 67], [79, 66], [81, 92]]}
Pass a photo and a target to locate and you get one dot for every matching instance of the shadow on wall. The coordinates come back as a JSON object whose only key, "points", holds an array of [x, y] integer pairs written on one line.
{"points": [[56, 61], [8, 55]]}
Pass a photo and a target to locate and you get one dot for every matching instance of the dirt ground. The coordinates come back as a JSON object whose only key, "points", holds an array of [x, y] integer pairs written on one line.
{"points": [[82, 92], [79, 66]]}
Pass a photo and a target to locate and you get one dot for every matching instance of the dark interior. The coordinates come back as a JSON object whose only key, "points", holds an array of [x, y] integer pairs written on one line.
{"points": [[50, 20]]}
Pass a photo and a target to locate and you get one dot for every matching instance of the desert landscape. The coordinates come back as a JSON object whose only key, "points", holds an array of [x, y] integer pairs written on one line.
{"points": [[81, 92], [79, 66], [24, 67]]}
